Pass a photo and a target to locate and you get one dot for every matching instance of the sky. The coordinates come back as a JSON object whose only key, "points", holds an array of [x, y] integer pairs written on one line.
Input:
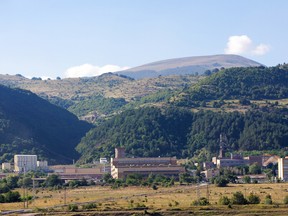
{"points": [[75, 38]]}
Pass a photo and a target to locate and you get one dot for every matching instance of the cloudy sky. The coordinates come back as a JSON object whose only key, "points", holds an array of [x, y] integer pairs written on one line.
{"points": [[73, 38]]}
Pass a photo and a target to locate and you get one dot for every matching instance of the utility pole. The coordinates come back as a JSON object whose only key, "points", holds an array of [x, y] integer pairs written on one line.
{"points": [[33, 188], [198, 190], [64, 195], [207, 191], [23, 186]]}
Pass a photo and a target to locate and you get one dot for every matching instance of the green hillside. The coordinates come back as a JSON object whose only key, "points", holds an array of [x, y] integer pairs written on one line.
{"points": [[182, 133], [178, 131], [31, 125], [253, 83]]}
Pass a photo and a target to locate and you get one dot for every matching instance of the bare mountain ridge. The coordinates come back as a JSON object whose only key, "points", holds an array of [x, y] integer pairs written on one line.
{"points": [[188, 65]]}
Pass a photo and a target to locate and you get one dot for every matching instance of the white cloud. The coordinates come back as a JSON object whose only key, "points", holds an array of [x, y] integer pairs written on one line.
{"points": [[87, 70], [238, 44], [242, 44], [261, 49]]}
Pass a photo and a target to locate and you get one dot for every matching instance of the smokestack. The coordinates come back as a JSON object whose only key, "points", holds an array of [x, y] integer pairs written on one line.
{"points": [[120, 152]]}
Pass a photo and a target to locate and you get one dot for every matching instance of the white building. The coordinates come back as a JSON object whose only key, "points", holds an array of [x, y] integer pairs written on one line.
{"points": [[283, 168], [103, 160], [43, 165], [24, 163], [6, 166]]}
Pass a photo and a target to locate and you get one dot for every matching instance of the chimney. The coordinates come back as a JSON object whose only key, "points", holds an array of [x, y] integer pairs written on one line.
{"points": [[120, 152]]}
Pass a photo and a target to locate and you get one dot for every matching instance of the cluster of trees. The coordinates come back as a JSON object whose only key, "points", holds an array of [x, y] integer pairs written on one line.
{"points": [[139, 180], [6, 189], [152, 132], [97, 103], [11, 182], [239, 199], [255, 83]]}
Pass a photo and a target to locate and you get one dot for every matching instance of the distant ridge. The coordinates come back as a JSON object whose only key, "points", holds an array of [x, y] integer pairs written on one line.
{"points": [[188, 65]]}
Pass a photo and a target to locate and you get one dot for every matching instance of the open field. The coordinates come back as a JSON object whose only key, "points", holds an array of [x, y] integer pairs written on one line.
{"points": [[175, 199]]}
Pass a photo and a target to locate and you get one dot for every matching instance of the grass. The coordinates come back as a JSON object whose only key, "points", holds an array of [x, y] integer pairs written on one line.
{"points": [[177, 198]]}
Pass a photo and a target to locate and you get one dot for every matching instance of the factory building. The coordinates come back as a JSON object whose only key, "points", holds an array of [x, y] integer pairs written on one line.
{"points": [[121, 166], [6, 166], [24, 163]]}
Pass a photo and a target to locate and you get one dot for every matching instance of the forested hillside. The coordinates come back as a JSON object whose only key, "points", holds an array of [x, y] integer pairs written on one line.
{"points": [[253, 83], [179, 132], [31, 125]]}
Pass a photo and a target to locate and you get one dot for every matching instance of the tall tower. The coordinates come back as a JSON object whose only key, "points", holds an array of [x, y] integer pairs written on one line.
{"points": [[120, 152], [223, 144]]}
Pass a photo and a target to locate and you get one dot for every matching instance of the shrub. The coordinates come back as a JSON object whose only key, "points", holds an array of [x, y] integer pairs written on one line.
{"points": [[268, 200], [12, 196], [220, 181], [247, 179], [154, 187], [89, 206], [4, 188], [224, 200], [286, 199], [201, 202], [253, 199], [72, 207], [238, 198], [2, 198]]}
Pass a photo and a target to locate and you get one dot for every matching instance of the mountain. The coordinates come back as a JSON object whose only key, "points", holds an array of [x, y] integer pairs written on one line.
{"points": [[32, 125], [188, 65], [93, 98], [248, 104]]}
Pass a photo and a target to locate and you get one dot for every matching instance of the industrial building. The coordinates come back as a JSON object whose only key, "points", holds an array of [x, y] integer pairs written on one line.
{"points": [[43, 165], [24, 163], [6, 166], [121, 166], [235, 159], [69, 172], [283, 168]]}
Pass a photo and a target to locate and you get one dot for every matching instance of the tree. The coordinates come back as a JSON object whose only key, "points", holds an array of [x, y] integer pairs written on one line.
{"points": [[2, 198], [255, 168], [107, 178], [238, 198], [253, 199], [244, 101], [207, 73], [4, 188], [12, 181], [247, 179], [268, 200], [134, 179], [286, 199], [221, 181], [53, 180], [224, 200], [203, 201], [12, 196], [26, 182]]}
